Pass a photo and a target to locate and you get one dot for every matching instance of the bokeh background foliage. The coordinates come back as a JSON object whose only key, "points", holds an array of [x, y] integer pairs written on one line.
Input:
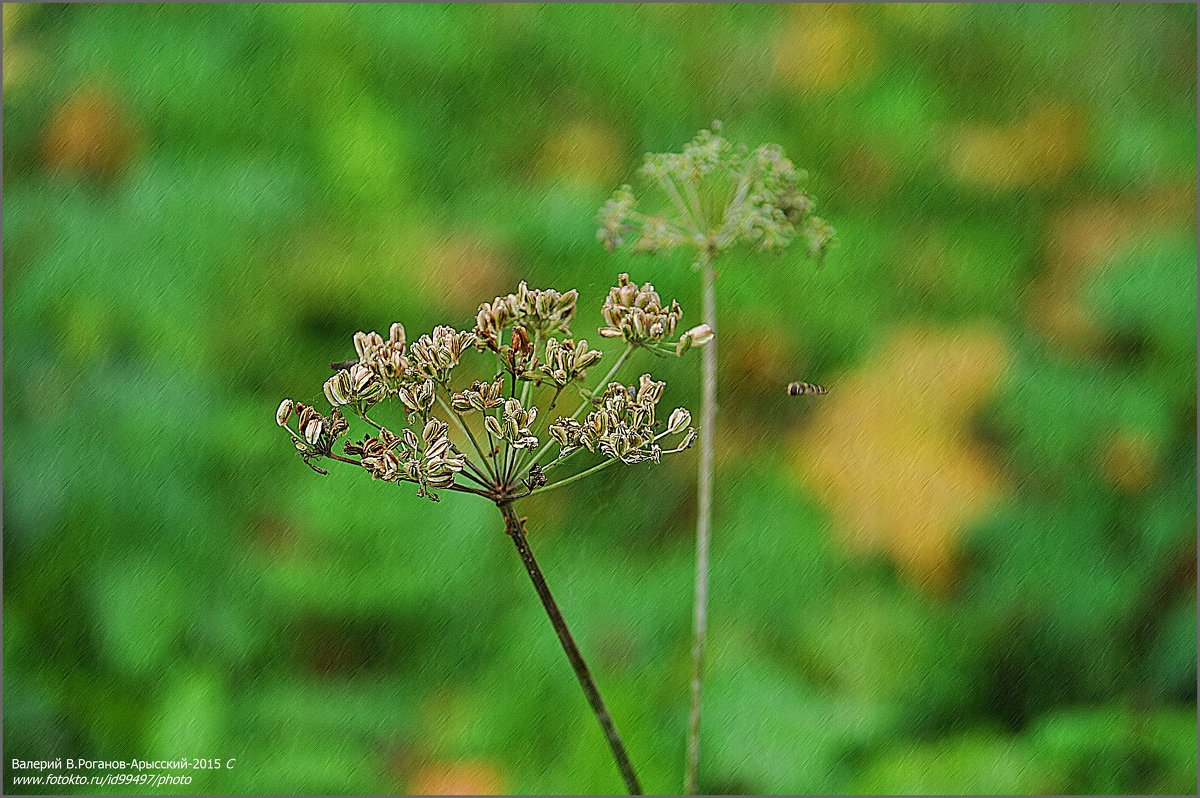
{"points": [[970, 567]]}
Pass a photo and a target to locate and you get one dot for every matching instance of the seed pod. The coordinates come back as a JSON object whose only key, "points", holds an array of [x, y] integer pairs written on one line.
{"points": [[697, 336], [679, 420], [493, 426], [283, 413], [396, 335]]}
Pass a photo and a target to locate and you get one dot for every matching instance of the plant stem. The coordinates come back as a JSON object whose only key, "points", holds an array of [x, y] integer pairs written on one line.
{"points": [[457, 418], [704, 505], [576, 477], [524, 464], [514, 526]]}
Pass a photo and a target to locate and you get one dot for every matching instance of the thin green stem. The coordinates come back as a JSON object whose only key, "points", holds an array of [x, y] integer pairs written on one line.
{"points": [[524, 464], [607, 379], [363, 415], [685, 212], [493, 451], [481, 483], [701, 220], [457, 418], [574, 477]]}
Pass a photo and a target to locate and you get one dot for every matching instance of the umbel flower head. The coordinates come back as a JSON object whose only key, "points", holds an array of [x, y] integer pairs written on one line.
{"points": [[498, 428], [497, 433], [712, 196], [568, 361], [357, 385], [435, 355]]}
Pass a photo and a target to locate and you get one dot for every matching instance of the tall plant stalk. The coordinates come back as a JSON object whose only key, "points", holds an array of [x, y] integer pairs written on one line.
{"points": [[711, 197], [704, 512], [514, 527]]}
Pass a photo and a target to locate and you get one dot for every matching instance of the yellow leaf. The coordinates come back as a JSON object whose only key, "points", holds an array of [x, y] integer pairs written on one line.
{"points": [[822, 47], [1040, 149], [890, 451]]}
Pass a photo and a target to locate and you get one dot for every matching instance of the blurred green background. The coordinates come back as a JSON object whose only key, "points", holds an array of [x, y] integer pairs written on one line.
{"points": [[970, 568]]}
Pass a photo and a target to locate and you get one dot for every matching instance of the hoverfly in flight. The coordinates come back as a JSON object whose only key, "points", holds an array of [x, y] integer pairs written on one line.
{"points": [[805, 389]]}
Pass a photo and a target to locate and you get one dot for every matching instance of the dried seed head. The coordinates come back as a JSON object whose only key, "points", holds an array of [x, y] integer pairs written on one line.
{"points": [[514, 424], [318, 433], [638, 314], [430, 460], [366, 345], [481, 396], [357, 386], [417, 398], [649, 391], [541, 311], [435, 355], [396, 336], [378, 456], [519, 355], [386, 359], [568, 361], [567, 433], [622, 423], [621, 427]]}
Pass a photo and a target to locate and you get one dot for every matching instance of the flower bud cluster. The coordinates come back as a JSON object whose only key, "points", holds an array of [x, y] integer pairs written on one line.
{"points": [[638, 314]]}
